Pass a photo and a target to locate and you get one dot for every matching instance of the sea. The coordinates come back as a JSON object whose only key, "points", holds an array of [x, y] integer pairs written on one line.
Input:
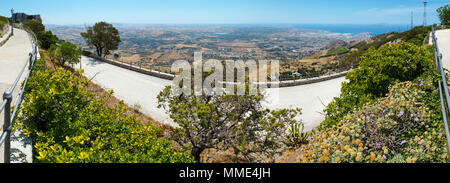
{"points": [[373, 29]]}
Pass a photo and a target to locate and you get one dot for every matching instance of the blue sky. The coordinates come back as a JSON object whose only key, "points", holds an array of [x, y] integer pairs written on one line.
{"points": [[68, 12]]}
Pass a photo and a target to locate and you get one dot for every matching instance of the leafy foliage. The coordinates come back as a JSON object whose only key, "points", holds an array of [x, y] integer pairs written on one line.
{"points": [[4, 20], [34, 25], [46, 39], [444, 14], [378, 70], [405, 126], [2, 24], [70, 125], [417, 35], [297, 136], [225, 122], [65, 52], [103, 36]]}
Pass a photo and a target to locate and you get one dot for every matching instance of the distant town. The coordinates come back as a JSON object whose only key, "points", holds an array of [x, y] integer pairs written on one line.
{"points": [[159, 45]]}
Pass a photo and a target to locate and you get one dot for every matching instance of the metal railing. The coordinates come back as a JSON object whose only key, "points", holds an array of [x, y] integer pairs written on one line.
{"points": [[443, 87], [5, 106]]}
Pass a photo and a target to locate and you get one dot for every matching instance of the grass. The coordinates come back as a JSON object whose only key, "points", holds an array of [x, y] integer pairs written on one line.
{"points": [[337, 51], [2, 24]]}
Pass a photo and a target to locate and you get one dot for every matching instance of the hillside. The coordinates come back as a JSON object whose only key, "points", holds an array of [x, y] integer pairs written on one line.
{"points": [[342, 55]]}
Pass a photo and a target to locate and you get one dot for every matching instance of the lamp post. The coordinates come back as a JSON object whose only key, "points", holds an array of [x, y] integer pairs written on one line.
{"points": [[12, 22]]}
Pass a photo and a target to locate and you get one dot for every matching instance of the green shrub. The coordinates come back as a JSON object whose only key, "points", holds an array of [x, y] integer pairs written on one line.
{"points": [[34, 25], [65, 52], [69, 124], [4, 19], [86, 53], [405, 126], [378, 70], [2, 24], [46, 39]]}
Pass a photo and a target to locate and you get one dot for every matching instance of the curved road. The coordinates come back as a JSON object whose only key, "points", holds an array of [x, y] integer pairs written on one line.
{"points": [[135, 88]]}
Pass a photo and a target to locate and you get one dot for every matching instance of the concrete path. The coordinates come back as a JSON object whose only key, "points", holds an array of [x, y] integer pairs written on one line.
{"points": [[312, 98], [443, 40], [13, 56], [135, 88], [132, 87]]}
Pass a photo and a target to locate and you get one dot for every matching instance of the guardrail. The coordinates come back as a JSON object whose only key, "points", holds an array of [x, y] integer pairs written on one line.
{"points": [[167, 76], [5, 138], [443, 87]]}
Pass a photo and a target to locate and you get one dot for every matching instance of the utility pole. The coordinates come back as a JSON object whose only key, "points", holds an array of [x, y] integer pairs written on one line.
{"points": [[425, 13], [12, 22]]}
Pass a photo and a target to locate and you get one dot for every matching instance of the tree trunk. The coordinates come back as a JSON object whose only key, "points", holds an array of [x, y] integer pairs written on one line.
{"points": [[196, 152], [99, 52]]}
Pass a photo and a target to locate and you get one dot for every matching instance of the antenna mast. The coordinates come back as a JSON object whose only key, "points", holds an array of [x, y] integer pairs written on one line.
{"points": [[425, 13]]}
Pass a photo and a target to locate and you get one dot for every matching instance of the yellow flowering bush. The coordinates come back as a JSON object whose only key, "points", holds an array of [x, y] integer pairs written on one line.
{"points": [[404, 127], [70, 125]]}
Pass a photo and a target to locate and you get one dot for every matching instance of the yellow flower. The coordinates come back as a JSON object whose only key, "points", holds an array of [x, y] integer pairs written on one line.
{"points": [[372, 156], [358, 158], [338, 159]]}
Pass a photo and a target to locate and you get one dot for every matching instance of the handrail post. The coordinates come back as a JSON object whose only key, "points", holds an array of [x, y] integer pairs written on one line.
{"points": [[30, 60], [6, 124]]}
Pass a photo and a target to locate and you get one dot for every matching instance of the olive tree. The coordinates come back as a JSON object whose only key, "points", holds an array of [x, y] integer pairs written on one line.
{"points": [[65, 52], [228, 122], [444, 14], [103, 36]]}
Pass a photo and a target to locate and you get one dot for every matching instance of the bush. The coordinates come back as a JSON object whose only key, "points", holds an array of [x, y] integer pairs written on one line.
{"points": [[2, 24], [405, 126], [4, 19], [378, 70], [34, 25], [65, 52], [86, 53], [46, 39], [229, 122], [70, 125]]}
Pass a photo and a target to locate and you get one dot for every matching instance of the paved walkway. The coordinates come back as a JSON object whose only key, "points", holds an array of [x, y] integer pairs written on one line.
{"points": [[135, 88], [443, 39], [13, 56]]}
